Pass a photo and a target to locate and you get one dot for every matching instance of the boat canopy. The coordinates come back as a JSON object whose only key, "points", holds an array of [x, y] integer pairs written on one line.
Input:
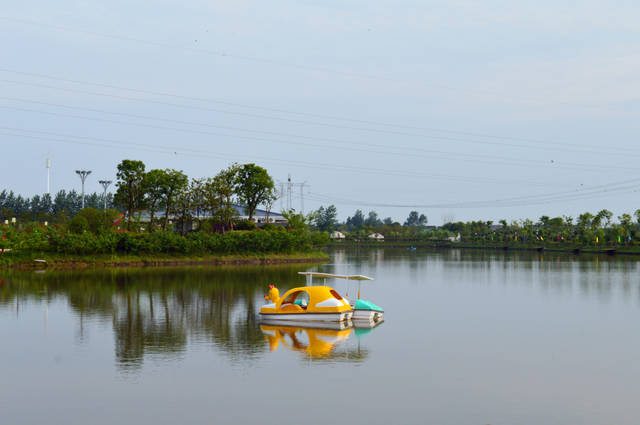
{"points": [[335, 276]]}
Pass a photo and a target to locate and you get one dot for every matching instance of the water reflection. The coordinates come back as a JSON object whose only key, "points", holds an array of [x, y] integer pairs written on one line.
{"points": [[323, 341], [160, 312]]}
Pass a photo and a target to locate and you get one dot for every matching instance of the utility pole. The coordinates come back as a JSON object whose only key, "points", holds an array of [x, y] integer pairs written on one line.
{"points": [[83, 176], [105, 184], [302, 197], [281, 196], [49, 176], [287, 188], [289, 192]]}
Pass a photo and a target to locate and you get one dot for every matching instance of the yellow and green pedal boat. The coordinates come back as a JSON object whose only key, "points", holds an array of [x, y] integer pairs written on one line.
{"points": [[317, 303]]}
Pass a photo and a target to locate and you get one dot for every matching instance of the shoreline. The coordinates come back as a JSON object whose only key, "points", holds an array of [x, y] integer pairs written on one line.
{"points": [[575, 250], [28, 261]]}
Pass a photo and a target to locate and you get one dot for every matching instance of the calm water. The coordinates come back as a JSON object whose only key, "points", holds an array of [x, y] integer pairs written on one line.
{"points": [[468, 338]]}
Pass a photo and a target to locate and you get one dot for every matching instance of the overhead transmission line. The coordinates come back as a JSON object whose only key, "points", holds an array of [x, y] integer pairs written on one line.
{"points": [[94, 141], [278, 63], [485, 204], [286, 111], [462, 157], [555, 146]]}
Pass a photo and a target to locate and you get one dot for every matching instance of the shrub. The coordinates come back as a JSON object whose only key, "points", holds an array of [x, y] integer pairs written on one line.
{"points": [[79, 224], [246, 225]]}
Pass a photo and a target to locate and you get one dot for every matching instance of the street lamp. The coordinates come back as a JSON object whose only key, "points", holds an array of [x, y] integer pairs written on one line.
{"points": [[105, 184], [83, 176]]}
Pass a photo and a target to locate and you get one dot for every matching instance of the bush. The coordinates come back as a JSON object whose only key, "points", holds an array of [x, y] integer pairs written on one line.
{"points": [[79, 224], [320, 238], [82, 242], [246, 225]]}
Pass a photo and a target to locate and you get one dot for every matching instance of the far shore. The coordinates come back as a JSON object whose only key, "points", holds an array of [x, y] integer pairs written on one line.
{"points": [[35, 260], [494, 246]]}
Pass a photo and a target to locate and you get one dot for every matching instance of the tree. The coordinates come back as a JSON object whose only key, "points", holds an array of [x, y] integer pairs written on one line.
{"points": [[326, 218], [153, 188], [295, 221], [357, 221], [130, 186], [373, 220], [225, 183], [174, 183], [416, 220], [218, 198], [626, 224], [254, 187], [182, 205], [604, 218]]}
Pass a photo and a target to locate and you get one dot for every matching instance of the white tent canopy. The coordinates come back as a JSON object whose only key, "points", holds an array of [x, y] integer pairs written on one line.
{"points": [[336, 276]]}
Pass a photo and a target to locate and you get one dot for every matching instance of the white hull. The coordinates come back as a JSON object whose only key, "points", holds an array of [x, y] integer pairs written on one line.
{"points": [[367, 315], [308, 317], [337, 326]]}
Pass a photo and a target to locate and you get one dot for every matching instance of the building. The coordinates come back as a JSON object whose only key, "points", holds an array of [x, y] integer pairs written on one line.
{"points": [[376, 236], [259, 217], [337, 235]]}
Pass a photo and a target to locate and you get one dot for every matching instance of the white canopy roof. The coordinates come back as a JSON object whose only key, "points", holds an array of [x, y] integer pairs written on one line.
{"points": [[336, 276]]}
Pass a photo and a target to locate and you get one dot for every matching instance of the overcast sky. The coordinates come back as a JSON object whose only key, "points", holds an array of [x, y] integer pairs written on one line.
{"points": [[465, 109]]}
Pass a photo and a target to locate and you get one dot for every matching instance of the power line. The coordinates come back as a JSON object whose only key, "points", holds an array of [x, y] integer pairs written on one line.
{"points": [[586, 193], [554, 145], [459, 157], [285, 64], [93, 141], [280, 110]]}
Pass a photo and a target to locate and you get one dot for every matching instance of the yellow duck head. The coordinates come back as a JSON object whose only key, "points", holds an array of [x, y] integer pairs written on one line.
{"points": [[274, 294]]}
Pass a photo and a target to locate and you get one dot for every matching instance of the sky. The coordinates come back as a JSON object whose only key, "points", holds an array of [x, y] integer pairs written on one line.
{"points": [[462, 110]]}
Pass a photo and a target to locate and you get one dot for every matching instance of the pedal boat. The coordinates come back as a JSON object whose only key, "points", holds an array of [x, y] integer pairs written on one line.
{"points": [[307, 304], [363, 310]]}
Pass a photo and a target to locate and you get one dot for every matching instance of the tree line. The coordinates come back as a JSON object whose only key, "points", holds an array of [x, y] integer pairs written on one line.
{"points": [[326, 219], [172, 194], [166, 195], [62, 205], [586, 229]]}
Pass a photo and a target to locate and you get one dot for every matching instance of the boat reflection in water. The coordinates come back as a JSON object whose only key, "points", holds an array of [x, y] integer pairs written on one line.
{"points": [[326, 340]]}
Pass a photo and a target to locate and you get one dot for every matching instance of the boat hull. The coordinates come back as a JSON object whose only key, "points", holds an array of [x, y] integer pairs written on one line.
{"points": [[337, 326], [308, 317], [370, 315]]}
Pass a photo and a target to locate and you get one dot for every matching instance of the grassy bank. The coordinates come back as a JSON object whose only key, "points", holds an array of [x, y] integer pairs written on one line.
{"points": [[551, 247], [27, 260], [59, 248]]}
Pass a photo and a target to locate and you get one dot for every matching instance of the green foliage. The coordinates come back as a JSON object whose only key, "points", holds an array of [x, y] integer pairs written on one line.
{"points": [[270, 227], [237, 242], [416, 220], [245, 225], [254, 187], [79, 224], [326, 219], [130, 186], [320, 238], [295, 221]]}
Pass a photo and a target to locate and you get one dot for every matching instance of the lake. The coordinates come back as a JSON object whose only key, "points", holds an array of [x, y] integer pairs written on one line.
{"points": [[469, 337]]}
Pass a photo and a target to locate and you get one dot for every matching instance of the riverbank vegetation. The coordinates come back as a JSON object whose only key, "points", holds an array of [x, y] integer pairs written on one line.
{"points": [[589, 231], [160, 213]]}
